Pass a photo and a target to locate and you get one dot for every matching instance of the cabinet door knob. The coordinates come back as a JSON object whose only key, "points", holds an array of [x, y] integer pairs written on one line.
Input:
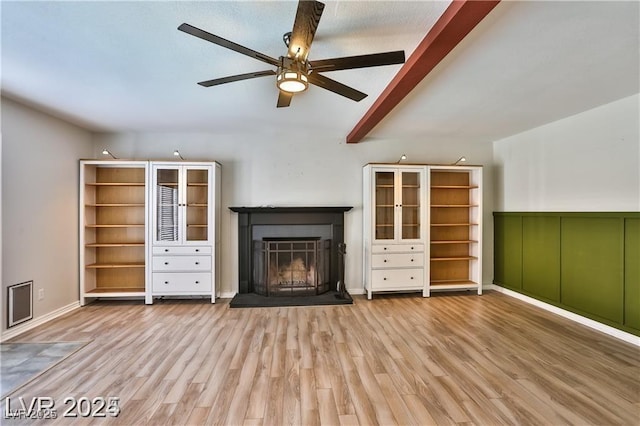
{"points": [[411, 277], [166, 250], [166, 282], [412, 260], [385, 261], [384, 279], [197, 282], [411, 247], [384, 248], [166, 263], [197, 263], [197, 250]]}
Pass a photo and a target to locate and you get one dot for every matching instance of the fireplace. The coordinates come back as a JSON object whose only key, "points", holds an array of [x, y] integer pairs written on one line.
{"points": [[289, 251], [291, 267]]}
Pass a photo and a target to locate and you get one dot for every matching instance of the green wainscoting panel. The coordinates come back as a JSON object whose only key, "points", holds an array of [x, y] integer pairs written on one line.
{"points": [[584, 262], [592, 266], [508, 251], [541, 257], [632, 273]]}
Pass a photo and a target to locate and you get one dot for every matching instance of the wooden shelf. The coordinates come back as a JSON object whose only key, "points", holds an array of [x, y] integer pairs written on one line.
{"points": [[197, 205], [114, 183], [448, 259], [411, 205], [116, 205], [197, 184], [385, 205], [198, 225], [101, 225], [115, 245], [411, 186], [115, 265], [453, 282], [454, 242], [385, 225], [453, 205], [454, 187], [104, 290], [453, 224], [385, 186]]}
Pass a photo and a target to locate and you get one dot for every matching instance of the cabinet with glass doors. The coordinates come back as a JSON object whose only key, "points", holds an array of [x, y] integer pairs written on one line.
{"points": [[185, 208]]}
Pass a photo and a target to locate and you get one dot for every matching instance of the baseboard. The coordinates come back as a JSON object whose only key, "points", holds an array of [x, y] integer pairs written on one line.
{"points": [[22, 328], [611, 331], [357, 290], [226, 295]]}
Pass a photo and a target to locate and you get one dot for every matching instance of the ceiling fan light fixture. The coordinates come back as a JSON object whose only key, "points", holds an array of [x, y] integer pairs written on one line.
{"points": [[292, 81]]}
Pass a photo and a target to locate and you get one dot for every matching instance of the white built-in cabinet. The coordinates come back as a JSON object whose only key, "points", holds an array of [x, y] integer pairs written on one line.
{"points": [[148, 229], [422, 228], [184, 229], [113, 228]]}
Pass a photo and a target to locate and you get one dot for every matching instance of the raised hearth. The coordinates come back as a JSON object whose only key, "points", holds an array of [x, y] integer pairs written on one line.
{"points": [[259, 225]]}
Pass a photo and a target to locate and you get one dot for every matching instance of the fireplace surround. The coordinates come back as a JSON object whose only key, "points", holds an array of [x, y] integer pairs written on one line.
{"points": [[260, 225]]}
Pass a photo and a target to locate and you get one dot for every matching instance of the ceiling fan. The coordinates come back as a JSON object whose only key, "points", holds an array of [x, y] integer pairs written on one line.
{"points": [[294, 71]]}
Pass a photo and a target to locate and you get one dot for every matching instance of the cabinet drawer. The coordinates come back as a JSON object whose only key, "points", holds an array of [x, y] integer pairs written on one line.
{"points": [[169, 251], [188, 283], [397, 248], [397, 279], [397, 260], [181, 263]]}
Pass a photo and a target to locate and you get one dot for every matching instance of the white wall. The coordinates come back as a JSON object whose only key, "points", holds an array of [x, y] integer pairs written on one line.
{"points": [[40, 205], [295, 168], [587, 162]]}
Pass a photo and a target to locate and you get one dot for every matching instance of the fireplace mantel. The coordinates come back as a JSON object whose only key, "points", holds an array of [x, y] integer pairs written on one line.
{"points": [[248, 217], [293, 209]]}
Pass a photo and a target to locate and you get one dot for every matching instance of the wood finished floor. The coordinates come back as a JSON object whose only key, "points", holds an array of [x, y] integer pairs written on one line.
{"points": [[397, 359]]}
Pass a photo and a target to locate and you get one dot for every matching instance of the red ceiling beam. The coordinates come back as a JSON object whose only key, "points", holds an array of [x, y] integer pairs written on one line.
{"points": [[455, 23]]}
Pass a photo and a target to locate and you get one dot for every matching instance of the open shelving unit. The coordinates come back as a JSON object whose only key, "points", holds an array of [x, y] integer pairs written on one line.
{"points": [[455, 198], [113, 229]]}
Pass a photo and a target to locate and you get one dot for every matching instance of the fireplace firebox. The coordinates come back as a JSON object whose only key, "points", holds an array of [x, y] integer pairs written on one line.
{"points": [[291, 267], [289, 251]]}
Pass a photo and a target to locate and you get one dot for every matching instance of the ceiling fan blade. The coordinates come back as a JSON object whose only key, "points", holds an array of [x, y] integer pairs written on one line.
{"points": [[339, 88], [304, 28], [284, 99], [197, 32], [360, 61], [238, 77]]}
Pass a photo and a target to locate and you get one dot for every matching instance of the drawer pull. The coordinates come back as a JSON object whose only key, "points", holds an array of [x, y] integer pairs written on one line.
{"points": [[411, 277], [166, 263], [384, 279], [411, 247], [384, 248], [166, 250], [166, 282], [197, 263], [412, 260], [385, 261], [197, 250], [197, 282]]}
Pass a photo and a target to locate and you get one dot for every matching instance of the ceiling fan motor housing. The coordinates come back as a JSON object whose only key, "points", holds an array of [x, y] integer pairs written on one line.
{"points": [[292, 75]]}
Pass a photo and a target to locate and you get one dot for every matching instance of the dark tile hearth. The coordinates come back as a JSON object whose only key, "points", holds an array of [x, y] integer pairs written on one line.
{"points": [[253, 300]]}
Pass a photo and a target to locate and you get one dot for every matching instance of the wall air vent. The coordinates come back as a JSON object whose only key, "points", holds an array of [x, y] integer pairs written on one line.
{"points": [[20, 303]]}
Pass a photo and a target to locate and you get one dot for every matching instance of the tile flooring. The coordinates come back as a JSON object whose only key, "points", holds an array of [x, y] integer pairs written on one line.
{"points": [[20, 362]]}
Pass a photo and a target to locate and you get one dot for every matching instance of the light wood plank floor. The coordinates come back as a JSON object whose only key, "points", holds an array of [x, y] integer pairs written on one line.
{"points": [[397, 359]]}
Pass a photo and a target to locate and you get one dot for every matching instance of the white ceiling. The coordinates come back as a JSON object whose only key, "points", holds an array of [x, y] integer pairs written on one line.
{"points": [[123, 66]]}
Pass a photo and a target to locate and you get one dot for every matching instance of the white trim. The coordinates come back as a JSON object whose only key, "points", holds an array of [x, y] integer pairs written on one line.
{"points": [[227, 295], [611, 331], [19, 329], [356, 290]]}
